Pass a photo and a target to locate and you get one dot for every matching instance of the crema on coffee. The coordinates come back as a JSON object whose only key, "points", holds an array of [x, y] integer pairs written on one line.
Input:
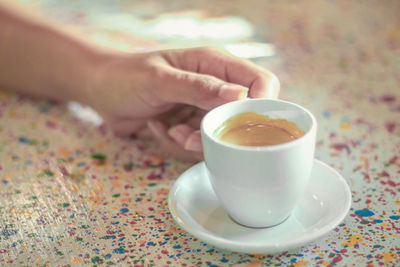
{"points": [[253, 129]]}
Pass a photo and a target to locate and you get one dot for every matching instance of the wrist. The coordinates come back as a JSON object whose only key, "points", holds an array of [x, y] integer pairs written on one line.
{"points": [[95, 72], [102, 75], [88, 65]]}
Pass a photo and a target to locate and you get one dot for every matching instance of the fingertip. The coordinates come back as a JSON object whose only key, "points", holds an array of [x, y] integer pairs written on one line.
{"points": [[193, 143], [273, 87], [180, 133], [157, 128], [160, 132], [265, 87]]}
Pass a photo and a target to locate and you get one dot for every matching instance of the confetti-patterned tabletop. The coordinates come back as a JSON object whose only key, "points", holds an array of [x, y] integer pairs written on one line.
{"points": [[72, 193]]}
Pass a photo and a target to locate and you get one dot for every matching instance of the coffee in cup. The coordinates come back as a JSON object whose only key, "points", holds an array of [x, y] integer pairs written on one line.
{"points": [[253, 129]]}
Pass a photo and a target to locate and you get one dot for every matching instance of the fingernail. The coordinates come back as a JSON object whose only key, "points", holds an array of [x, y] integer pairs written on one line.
{"points": [[180, 132], [175, 133], [232, 92], [273, 88], [155, 127], [194, 143]]}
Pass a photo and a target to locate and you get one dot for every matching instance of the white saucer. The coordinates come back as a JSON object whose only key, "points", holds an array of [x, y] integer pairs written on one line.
{"points": [[195, 208]]}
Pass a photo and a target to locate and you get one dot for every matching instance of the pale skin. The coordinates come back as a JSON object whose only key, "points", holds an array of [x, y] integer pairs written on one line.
{"points": [[129, 90]]}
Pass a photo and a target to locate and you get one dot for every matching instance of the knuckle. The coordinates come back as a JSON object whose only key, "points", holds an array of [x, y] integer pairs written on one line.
{"points": [[206, 86], [183, 76], [209, 50], [155, 71], [159, 74]]}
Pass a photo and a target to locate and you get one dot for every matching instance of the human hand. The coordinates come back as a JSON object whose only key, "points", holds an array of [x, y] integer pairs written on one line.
{"points": [[132, 90]]}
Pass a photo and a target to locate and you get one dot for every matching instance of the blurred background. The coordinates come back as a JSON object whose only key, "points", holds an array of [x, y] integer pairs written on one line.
{"points": [[340, 59]]}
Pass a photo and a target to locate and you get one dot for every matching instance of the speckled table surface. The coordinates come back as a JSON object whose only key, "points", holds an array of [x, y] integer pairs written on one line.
{"points": [[72, 193]]}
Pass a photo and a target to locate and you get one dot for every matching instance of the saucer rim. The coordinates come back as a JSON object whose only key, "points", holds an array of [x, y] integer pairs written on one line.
{"points": [[237, 246]]}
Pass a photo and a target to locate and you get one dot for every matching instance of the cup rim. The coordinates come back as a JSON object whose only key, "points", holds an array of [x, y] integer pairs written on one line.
{"points": [[260, 148]]}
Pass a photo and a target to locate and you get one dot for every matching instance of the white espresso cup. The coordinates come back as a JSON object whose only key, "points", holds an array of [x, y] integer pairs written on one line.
{"points": [[259, 186]]}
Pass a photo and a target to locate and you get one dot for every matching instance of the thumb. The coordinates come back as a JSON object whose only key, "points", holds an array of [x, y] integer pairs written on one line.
{"points": [[200, 90]]}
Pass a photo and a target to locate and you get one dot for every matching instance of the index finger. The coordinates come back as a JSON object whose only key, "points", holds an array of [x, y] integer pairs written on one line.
{"points": [[261, 82]]}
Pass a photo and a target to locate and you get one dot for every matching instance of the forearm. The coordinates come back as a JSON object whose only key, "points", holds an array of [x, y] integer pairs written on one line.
{"points": [[39, 60]]}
